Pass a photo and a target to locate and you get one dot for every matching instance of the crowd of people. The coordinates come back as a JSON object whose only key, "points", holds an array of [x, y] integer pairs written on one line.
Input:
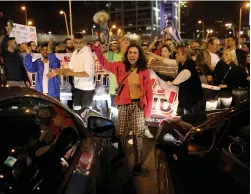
{"points": [[129, 64]]}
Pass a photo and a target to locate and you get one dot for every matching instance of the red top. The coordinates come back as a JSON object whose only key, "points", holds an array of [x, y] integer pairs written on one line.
{"points": [[123, 98]]}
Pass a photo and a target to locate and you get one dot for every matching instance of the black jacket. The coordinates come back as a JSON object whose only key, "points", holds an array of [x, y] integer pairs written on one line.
{"points": [[190, 91], [13, 64], [231, 75]]}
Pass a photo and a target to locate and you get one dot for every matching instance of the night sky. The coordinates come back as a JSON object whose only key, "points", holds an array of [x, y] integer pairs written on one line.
{"points": [[46, 17]]}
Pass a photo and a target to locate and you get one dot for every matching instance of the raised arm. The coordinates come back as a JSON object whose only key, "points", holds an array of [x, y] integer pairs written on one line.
{"points": [[4, 42], [109, 66], [30, 66]]}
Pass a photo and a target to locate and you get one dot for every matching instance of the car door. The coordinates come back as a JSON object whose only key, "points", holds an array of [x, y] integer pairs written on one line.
{"points": [[39, 145], [229, 160]]}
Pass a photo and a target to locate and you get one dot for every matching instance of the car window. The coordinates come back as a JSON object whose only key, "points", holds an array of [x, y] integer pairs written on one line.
{"points": [[37, 144]]}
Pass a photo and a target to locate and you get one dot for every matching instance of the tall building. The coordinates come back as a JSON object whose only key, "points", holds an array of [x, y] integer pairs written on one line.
{"points": [[140, 17], [171, 12]]}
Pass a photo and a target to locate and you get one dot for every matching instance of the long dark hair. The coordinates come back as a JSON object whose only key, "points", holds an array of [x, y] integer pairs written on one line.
{"points": [[141, 64]]}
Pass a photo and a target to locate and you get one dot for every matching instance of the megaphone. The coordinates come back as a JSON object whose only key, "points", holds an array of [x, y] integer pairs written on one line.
{"points": [[101, 18]]}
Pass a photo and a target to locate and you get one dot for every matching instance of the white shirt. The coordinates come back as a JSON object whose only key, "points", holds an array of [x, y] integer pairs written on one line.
{"points": [[83, 61], [45, 79], [214, 60], [181, 77]]}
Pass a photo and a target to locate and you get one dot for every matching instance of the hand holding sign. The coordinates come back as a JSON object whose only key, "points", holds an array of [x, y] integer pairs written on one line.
{"points": [[9, 28]]}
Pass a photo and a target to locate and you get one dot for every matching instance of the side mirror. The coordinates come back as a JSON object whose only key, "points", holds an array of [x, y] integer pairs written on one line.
{"points": [[101, 127]]}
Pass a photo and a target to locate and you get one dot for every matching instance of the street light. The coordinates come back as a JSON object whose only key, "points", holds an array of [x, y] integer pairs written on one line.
{"points": [[30, 23], [209, 31], [203, 28], [246, 5], [83, 31], [228, 25], [66, 23], [119, 30], [93, 27], [23, 8], [113, 26]]}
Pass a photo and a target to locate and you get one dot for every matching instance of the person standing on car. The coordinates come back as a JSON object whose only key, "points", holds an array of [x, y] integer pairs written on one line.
{"points": [[81, 67], [191, 96], [134, 98]]}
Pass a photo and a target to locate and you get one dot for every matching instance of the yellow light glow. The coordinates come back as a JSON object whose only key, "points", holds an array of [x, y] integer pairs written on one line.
{"points": [[23, 8], [114, 26], [12, 150], [61, 12]]}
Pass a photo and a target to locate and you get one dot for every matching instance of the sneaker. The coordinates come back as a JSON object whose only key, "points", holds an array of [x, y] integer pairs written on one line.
{"points": [[136, 169], [148, 133], [115, 161], [115, 145], [130, 133], [130, 141]]}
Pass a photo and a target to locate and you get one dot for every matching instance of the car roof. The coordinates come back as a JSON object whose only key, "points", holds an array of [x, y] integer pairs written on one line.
{"points": [[13, 92]]}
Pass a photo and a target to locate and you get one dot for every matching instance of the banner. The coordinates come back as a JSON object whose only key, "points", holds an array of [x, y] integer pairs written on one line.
{"points": [[24, 34], [165, 100], [165, 97]]}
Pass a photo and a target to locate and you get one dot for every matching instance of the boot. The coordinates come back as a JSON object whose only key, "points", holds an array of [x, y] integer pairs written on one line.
{"points": [[121, 152], [137, 148]]}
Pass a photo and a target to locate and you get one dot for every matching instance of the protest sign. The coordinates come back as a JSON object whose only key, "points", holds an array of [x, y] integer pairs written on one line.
{"points": [[24, 34]]}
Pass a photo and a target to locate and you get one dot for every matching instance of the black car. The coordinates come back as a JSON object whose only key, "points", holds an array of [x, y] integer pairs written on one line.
{"points": [[48, 148], [205, 152]]}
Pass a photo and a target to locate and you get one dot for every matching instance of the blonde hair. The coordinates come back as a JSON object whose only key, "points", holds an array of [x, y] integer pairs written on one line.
{"points": [[233, 55]]}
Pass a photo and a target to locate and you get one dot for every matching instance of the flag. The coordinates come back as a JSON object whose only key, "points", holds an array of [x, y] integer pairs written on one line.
{"points": [[175, 34]]}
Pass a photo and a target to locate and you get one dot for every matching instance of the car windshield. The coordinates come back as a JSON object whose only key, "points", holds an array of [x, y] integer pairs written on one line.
{"points": [[36, 137]]}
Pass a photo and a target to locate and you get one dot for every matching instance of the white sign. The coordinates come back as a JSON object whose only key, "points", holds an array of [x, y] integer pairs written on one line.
{"points": [[24, 34]]}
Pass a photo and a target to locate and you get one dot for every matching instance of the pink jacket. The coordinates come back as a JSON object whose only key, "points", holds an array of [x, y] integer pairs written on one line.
{"points": [[123, 97]]}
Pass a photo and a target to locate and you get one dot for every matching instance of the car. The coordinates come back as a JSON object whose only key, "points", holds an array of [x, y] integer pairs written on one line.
{"points": [[48, 148], [206, 152]]}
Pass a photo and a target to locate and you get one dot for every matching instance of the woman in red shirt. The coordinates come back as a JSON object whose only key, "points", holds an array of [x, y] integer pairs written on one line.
{"points": [[134, 98]]}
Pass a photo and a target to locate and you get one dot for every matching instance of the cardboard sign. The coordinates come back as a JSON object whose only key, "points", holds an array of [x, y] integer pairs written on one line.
{"points": [[24, 34]]}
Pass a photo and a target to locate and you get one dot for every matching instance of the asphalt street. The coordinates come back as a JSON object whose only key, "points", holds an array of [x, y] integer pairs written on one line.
{"points": [[121, 179]]}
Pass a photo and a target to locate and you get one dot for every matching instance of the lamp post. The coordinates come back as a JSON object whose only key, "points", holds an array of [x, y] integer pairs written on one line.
{"points": [[209, 31], [203, 28], [66, 23], [92, 30], [246, 5], [83, 31], [23, 8], [228, 26], [70, 14]]}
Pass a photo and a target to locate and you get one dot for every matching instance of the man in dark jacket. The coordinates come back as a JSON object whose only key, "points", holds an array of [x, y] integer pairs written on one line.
{"points": [[15, 72], [191, 95]]}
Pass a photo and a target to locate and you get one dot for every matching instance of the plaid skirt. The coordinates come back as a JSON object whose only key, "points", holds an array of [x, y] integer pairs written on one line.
{"points": [[130, 115]]}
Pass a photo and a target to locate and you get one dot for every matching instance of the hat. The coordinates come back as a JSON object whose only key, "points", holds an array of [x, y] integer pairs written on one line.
{"points": [[114, 41], [144, 44]]}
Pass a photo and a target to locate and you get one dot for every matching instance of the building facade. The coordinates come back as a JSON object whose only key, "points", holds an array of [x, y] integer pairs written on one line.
{"points": [[139, 17]]}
